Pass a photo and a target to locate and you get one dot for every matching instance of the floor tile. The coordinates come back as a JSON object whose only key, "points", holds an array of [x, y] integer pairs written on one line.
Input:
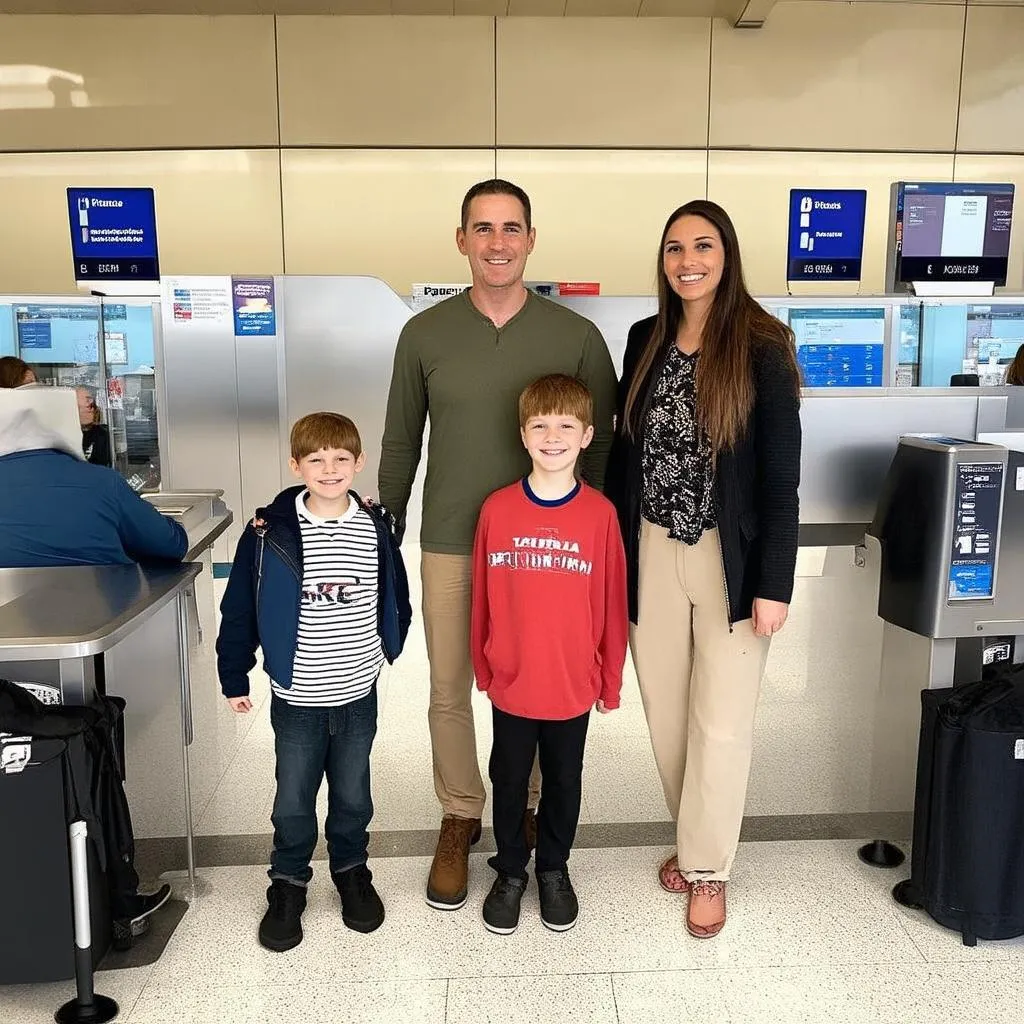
{"points": [[857, 993], [36, 1004], [579, 999], [670, 997], [329, 1002]]}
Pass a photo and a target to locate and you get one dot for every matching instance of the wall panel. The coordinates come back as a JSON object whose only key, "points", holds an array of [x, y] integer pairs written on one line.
{"points": [[136, 82], [402, 81], [603, 81], [390, 214], [218, 212], [992, 99], [754, 189], [599, 215], [820, 75]]}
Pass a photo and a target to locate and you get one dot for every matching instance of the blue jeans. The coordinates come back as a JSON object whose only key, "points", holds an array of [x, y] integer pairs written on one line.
{"points": [[311, 743]]}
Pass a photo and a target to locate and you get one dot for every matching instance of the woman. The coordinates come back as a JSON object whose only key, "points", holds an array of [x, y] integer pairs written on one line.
{"points": [[95, 435], [15, 372], [704, 474], [1015, 371]]}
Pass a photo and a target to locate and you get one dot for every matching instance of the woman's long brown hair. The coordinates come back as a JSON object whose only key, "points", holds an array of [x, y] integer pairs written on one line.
{"points": [[1015, 371], [736, 323]]}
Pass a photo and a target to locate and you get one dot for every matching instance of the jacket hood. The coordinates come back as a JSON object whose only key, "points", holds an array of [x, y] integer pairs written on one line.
{"points": [[22, 430]]}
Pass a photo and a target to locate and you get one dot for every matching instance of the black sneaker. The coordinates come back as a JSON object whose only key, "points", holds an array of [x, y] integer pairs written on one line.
{"points": [[559, 907], [281, 927], [501, 908], [146, 904], [361, 907]]}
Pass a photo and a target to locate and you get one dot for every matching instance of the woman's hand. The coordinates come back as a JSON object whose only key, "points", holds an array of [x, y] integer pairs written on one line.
{"points": [[769, 616]]}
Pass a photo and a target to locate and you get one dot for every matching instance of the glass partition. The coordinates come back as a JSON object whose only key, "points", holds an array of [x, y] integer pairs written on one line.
{"points": [[60, 340], [969, 337]]}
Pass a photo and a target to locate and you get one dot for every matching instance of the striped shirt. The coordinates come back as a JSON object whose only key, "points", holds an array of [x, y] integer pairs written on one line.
{"points": [[339, 654]]}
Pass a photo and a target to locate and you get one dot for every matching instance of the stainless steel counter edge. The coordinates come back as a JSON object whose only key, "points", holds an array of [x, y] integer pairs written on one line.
{"points": [[205, 537], [165, 585]]}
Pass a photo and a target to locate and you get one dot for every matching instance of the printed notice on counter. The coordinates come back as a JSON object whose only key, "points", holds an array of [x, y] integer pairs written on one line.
{"points": [[426, 295], [972, 565], [198, 302], [253, 299]]}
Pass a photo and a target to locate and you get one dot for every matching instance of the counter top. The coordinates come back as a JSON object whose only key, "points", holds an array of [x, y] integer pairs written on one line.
{"points": [[80, 610]]}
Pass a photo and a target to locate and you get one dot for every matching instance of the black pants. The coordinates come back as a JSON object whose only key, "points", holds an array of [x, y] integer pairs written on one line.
{"points": [[561, 744]]}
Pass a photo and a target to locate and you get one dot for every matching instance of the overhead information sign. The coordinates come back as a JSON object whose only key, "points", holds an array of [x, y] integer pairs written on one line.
{"points": [[113, 234], [826, 234]]}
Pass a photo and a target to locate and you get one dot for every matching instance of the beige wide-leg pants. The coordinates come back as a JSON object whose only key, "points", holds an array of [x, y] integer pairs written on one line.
{"points": [[699, 684], [446, 615]]}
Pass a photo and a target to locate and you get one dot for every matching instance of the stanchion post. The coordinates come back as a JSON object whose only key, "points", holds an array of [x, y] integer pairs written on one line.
{"points": [[87, 1007]]}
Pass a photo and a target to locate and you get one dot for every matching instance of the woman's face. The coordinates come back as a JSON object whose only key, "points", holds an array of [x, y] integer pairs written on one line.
{"points": [[29, 378], [693, 258], [86, 408]]}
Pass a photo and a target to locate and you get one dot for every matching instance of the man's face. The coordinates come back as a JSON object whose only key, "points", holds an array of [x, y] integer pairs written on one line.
{"points": [[495, 241]]}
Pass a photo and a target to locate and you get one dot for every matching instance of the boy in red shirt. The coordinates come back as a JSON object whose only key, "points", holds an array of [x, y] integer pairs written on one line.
{"points": [[548, 639]]}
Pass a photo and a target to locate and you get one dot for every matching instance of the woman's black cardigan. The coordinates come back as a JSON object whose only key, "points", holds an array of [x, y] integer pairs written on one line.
{"points": [[756, 482]]}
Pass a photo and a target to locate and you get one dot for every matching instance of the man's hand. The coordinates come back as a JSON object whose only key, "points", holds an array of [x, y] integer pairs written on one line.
{"points": [[240, 705], [602, 709]]}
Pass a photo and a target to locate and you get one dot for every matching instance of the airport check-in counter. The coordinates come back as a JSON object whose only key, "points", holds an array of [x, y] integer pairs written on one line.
{"points": [[135, 632]]}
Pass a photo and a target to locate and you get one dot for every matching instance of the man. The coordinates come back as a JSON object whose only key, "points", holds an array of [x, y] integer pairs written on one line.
{"points": [[464, 363]]}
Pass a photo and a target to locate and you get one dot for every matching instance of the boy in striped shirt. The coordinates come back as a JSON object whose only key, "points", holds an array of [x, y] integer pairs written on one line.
{"points": [[318, 583]]}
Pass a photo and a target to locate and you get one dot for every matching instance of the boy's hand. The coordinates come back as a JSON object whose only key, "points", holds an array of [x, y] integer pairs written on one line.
{"points": [[602, 709], [240, 704]]}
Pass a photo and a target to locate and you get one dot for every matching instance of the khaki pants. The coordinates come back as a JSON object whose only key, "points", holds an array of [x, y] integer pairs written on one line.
{"points": [[699, 685], [446, 613]]}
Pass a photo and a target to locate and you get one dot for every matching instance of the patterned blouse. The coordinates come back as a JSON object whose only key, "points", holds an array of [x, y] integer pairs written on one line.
{"points": [[678, 470]]}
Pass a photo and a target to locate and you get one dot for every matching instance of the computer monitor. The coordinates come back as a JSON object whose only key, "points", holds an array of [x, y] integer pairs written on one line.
{"points": [[840, 346], [944, 231]]}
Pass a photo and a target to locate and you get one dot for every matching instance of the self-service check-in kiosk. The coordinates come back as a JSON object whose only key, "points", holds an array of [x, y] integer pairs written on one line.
{"points": [[950, 524]]}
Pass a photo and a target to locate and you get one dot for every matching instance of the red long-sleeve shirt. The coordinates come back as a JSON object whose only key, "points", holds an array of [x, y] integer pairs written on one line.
{"points": [[549, 622]]}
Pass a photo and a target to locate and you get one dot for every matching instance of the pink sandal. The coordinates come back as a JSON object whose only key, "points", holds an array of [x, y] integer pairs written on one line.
{"points": [[671, 879]]}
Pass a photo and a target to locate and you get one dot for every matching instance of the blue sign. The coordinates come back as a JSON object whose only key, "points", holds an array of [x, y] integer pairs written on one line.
{"points": [[972, 563], [826, 234], [113, 234], [253, 299]]}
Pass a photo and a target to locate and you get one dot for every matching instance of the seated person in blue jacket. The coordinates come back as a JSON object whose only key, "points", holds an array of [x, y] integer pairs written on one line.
{"points": [[318, 582], [56, 509]]}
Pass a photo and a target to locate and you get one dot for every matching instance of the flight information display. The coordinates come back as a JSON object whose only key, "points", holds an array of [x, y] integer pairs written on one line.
{"points": [[952, 232], [840, 347]]}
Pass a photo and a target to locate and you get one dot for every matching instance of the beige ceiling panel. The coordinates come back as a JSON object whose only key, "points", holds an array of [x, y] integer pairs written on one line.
{"points": [[992, 97], [1002, 169], [754, 189], [603, 82], [823, 75], [602, 8], [599, 216], [217, 212], [140, 82], [677, 8], [423, 7], [490, 8], [386, 81], [391, 214], [536, 8]]}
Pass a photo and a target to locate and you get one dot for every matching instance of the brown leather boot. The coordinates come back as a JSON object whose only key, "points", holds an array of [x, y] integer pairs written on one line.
{"points": [[447, 885]]}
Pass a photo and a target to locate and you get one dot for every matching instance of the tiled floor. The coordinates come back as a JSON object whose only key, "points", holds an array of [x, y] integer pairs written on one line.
{"points": [[812, 936]]}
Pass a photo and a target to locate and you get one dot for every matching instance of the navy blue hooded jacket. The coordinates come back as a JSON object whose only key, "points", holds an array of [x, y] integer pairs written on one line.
{"points": [[56, 509], [264, 594]]}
